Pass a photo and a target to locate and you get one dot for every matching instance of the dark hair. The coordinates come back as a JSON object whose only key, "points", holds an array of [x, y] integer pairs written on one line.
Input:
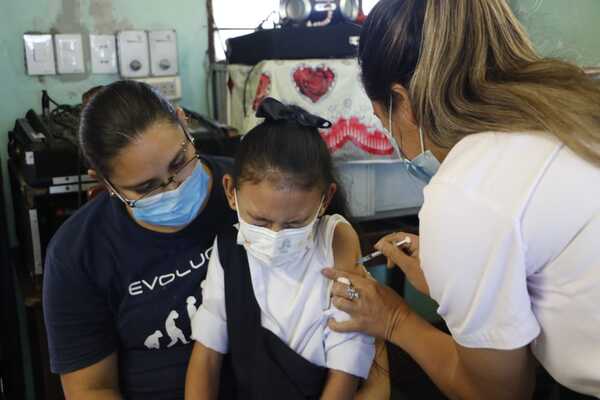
{"points": [[116, 114], [290, 152], [390, 45]]}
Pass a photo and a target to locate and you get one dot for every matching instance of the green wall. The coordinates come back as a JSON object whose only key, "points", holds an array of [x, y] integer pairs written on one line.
{"points": [[19, 92], [567, 29]]}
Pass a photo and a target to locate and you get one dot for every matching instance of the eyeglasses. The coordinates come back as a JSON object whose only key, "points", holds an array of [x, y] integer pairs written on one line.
{"points": [[162, 186]]}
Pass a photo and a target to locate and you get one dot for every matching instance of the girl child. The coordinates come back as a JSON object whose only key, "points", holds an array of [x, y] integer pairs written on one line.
{"points": [[265, 302]]}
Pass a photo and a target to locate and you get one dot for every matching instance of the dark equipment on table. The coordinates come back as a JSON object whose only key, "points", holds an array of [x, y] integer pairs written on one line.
{"points": [[331, 41]]}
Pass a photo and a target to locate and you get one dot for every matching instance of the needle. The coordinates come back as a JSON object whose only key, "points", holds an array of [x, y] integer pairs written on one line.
{"points": [[375, 254]]}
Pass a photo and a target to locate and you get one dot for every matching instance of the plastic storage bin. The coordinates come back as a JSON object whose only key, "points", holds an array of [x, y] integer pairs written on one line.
{"points": [[380, 190]]}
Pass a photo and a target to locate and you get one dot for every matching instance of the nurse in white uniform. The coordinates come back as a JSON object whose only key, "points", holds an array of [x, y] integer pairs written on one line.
{"points": [[509, 242]]}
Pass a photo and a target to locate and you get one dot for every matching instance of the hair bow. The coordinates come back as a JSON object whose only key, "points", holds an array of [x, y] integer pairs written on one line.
{"points": [[274, 110]]}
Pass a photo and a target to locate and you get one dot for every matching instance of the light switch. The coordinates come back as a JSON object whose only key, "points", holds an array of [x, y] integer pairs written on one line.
{"points": [[163, 52], [132, 48], [104, 54], [39, 54], [69, 54]]}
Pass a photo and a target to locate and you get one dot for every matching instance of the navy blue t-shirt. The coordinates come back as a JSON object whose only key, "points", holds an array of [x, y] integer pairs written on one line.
{"points": [[112, 286]]}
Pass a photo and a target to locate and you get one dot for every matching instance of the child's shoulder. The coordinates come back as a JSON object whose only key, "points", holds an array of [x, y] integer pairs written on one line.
{"points": [[335, 232], [328, 226]]}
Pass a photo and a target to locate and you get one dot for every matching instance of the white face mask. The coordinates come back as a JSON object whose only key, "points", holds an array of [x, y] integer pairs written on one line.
{"points": [[276, 248]]}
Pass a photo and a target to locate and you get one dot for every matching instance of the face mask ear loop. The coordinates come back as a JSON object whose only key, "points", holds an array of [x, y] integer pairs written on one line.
{"points": [[320, 207], [422, 140], [237, 205], [390, 130]]}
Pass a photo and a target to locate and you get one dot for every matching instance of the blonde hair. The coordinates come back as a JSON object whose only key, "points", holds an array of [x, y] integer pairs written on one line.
{"points": [[478, 71], [470, 67]]}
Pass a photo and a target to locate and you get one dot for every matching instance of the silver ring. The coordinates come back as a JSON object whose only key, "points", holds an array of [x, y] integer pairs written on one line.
{"points": [[352, 293]]}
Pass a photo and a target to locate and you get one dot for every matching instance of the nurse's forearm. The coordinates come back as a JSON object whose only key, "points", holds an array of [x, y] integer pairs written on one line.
{"points": [[432, 349], [465, 373]]}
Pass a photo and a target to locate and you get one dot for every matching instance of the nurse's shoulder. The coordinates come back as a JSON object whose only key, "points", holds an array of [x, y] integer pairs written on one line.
{"points": [[496, 167]]}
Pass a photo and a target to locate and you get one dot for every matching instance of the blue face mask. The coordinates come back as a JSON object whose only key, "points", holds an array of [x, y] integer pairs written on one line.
{"points": [[177, 207], [425, 165]]}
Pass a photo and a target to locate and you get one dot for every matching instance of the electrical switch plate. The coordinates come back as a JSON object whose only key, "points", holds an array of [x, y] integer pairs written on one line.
{"points": [[39, 54], [104, 54], [132, 48], [69, 53], [168, 86], [163, 52]]}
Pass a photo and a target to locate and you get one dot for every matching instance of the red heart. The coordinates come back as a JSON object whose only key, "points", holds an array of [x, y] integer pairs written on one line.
{"points": [[314, 83], [262, 91]]}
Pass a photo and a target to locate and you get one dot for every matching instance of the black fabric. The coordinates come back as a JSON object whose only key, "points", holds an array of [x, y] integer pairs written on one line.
{"points": [[274, 110], [567, 394], [112, 286], [332, 41], [264, 366]]}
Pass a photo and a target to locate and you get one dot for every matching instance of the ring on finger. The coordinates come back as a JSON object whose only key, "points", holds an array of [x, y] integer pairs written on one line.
{"points": [[352, 292]]}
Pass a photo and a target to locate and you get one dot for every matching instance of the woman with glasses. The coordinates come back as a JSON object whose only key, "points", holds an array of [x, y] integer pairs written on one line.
{"points": [[122, 275]]}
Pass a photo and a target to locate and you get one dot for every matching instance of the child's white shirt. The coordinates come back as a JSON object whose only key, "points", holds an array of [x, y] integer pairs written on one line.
{"points": [[295, 305]]}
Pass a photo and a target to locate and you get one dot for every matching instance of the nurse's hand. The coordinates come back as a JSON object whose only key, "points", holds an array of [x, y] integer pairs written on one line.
{"points": [[377, 311], [406, 258]]}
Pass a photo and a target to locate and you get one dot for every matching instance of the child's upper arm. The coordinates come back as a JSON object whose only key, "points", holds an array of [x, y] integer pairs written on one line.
{"points": [[346, 247]]}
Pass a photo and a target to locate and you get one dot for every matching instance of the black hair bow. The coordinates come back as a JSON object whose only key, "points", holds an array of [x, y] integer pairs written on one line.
{"points": [[274, 110]]}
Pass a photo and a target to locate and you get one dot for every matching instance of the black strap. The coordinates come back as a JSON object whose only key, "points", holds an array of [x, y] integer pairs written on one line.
{"points": [[264, 366]]}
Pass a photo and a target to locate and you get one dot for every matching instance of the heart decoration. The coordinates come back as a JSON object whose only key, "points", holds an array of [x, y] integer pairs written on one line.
{"points": [[262, 90], [314, 83], [371, 141]]}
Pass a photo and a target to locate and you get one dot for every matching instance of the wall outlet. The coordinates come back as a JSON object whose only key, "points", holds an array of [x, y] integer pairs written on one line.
{"points": [[39, 54], [163, 52], [168, 86], [69, 53], [132, 48], [104, 54]]}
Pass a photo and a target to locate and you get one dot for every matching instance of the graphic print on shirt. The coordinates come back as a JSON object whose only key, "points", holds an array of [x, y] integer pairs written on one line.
{"points": [[144, 286], [173, 331], [153, 341], [191, 306], [148, 285]]}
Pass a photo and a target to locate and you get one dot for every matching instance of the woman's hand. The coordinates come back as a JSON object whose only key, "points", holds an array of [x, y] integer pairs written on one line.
{"points": [[377, 310], [406, 258]]}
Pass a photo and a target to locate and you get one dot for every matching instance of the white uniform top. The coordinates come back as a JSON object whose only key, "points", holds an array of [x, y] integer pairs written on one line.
{"points": [[295, 305], [510, 248]]}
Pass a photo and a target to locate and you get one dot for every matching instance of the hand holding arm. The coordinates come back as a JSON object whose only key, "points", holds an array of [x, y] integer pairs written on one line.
{"points": [[460, 372]]}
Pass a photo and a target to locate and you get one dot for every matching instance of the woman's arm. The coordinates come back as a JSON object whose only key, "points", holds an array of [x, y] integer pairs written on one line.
{"points": [[461, 373], [466, 373], [98, 381], [203, 374], [339, 386]]}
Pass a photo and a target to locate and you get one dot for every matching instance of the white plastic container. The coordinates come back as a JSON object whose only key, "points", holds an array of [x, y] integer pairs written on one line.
{"points": [[380, 190]]}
